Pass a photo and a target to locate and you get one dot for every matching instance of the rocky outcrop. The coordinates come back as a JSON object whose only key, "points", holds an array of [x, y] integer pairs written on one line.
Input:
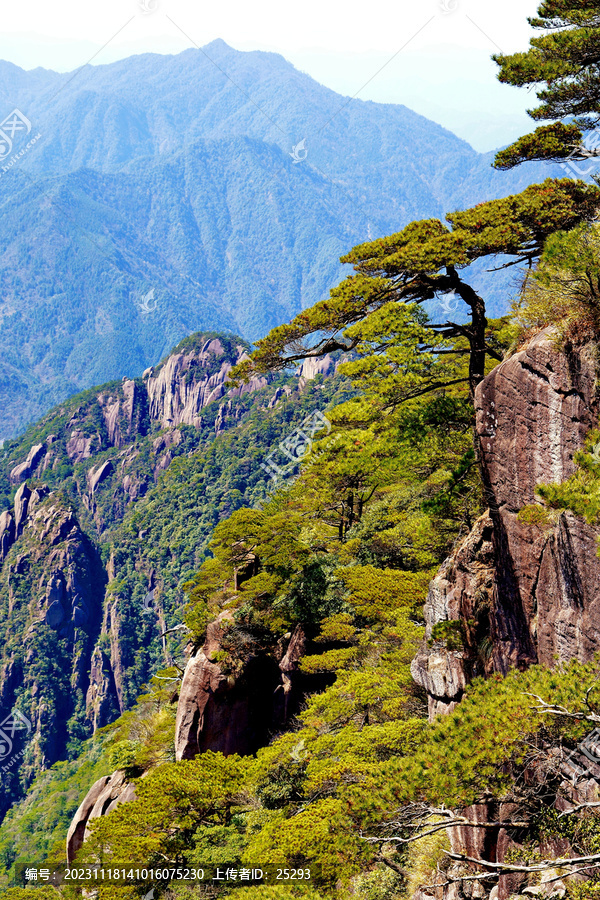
{"points": [[25, 469], [497, 831], [237, 713], [97, 475], [462, 593], [310, 368], [216, 711], [7, 534], [533, 593], [108, 448], [81, 446], [21, 505], [533, 413], [102, 697], [104, 795], [111, 422], [172, 394], [227, 416], [222, 712], [123, 412], [52, 588], [190, 380], [288, 667]]}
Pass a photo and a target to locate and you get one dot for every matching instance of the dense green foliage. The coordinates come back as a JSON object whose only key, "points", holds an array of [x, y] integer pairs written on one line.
{"points": [[346, 550], [360, 788], [115, 546], [35, 829], [564, 61], [580, 493], [564, 290]]}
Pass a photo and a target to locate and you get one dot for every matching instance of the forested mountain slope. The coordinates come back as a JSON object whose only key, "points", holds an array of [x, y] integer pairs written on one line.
{"points": [[380, 680], [109, 502], [210, 768]]}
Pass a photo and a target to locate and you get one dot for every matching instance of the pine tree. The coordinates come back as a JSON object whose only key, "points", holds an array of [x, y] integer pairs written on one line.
{"points": [[564, 61], [424, 260]]}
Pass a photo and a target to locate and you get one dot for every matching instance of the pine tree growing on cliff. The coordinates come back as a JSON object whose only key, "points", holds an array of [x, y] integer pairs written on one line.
{"points": [[564, 62], [426, 260]]}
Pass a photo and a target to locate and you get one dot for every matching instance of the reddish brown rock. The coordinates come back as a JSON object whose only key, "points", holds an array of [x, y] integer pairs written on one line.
{"points": [[223, 712], [533, 412], [104, 795], [75, 835], [238, 713], [521, 594], [461, 592]]}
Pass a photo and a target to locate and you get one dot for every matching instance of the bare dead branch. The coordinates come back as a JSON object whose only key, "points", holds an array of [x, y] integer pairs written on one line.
{"points": [[568, 812], [457, 821], [461, 878], [176, 628], [558, 710], [538, 867]]}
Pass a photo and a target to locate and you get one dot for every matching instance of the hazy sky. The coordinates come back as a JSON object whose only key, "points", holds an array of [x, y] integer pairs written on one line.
{"points": [[432, 56]]}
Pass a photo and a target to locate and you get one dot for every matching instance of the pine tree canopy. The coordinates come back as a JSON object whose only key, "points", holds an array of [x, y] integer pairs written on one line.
{"points": [[564, 61], [424, 260]]}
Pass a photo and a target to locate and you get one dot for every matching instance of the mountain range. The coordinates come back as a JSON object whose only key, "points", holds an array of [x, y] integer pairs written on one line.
{"points": [[214, 189]]}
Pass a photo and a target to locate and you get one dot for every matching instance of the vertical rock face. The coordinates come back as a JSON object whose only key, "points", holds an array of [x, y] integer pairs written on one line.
{"points": [[112, 421], [310, 368], [532, 593], [222, 712], [123, 413], [21, 504], [240, 713], [171, 395], [7, 534], [103, 796], [51, 586], [533, 413], [216, 711], [192, 379], [29, 465], [102, 698], [461, 593]]}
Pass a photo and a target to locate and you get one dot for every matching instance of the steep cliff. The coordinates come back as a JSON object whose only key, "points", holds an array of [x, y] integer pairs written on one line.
{"points": [[219, 709], [177, 395], [104, 795], [512, 593], [519, 593], [115, 441], [238, 713], [51, 594]]}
